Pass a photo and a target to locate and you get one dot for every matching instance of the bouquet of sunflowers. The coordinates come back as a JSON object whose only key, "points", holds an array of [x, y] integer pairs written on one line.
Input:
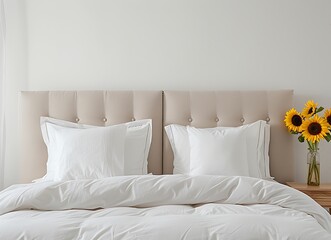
{"points": [[311, 128]]}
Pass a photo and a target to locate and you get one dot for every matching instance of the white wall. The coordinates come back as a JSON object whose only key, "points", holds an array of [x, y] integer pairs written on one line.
{"points": [[16, 79], [170, 44]]}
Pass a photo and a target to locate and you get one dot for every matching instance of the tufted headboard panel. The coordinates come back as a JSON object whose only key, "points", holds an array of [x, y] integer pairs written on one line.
{"points": [[233, 108], [101, 108], [200, 109]]}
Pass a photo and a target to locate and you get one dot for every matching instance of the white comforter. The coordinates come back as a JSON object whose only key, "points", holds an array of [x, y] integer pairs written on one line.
{"points": [[161, 207]]}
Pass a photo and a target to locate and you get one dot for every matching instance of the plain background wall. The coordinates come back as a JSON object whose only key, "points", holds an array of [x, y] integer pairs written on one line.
{"points": [[169, 44]]}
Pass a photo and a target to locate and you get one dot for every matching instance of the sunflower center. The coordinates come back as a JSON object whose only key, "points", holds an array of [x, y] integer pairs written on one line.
{"points": [[310, 110], [296, 120], [329, 119], [314, 128]]}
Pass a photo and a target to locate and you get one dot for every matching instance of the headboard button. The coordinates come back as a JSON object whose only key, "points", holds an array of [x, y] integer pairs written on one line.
{"points": [[77, 119], [217, 119], [242, 120], [104, 119], [190, 119], [133, 119]]}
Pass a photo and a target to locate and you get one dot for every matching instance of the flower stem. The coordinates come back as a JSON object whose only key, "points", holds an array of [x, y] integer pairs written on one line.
{"points": [[313, 177]]}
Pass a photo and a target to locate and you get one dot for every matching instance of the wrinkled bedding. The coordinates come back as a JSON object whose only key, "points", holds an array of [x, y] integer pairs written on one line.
{"points": [[161, 207]]}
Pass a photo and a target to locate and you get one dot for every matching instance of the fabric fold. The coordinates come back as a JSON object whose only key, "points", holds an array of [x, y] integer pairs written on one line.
{"points": [[150, 191]]}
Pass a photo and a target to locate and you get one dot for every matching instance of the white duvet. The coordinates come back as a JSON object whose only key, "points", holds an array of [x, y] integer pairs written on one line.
{"points": [[161, 207]]}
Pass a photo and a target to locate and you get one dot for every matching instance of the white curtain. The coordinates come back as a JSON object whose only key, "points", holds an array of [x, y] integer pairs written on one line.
{"points": [[2, 92]]}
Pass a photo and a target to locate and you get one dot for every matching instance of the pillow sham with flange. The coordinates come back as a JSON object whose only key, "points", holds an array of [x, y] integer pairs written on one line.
{"points": [[257, 137], [136, 145]]}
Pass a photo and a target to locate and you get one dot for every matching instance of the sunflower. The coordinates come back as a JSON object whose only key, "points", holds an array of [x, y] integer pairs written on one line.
{"points": [[314, 129], [309, 109], [293, 120], [327, 116]]}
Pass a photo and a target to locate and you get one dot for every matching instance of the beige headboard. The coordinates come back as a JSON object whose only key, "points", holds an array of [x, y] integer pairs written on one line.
{"points": [[233, 108], [200, 109], [100, 108]]}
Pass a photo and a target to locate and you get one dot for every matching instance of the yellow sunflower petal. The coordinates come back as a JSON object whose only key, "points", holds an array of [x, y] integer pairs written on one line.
{"points": [[293, 120], [314, 129], [309, 109], [327, 116]]}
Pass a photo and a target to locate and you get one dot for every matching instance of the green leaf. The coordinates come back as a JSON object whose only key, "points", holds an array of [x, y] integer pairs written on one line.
{"points": [[320, 109], [293, 132], [328, 137], [301, 138]]}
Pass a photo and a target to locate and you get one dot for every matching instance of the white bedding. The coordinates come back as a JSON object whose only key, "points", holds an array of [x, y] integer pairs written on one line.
{"points": [[161, 207]]}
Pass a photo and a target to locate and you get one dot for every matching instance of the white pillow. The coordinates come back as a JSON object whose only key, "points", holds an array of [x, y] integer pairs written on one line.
{"points": [[89, 153], [138, 139], [266, 168], [137, 144], [218, 152], [257, 135], [180, 145]]}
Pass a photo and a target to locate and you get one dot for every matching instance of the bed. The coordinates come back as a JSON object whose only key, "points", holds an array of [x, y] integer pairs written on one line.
{"points": [[165, 179]]}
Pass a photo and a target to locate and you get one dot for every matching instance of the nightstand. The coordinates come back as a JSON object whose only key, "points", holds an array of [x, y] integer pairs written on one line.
{"points": [[321, 194]]}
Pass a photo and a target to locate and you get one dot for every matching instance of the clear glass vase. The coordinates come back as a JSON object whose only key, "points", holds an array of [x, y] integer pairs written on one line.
{"points": [[313, 162]]}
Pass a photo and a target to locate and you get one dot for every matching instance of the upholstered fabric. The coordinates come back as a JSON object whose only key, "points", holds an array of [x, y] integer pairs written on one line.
{"points": [[198, 109], [233, 108], [102, 108]]}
